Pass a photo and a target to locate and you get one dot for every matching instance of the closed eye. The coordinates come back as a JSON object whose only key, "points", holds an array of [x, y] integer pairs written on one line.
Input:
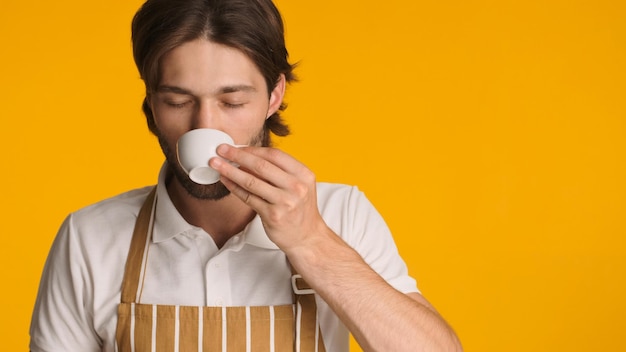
{"points": [[177, 105], [233, 105]]}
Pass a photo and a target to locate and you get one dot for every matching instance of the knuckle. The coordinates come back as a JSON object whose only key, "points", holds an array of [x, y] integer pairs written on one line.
{"points": [[274, 215], [309, 176], [300, 189], [261, 166], [274, 153], [250, 183]]}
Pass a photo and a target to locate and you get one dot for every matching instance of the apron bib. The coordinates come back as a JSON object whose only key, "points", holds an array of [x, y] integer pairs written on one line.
{"points": [[164, 328]]}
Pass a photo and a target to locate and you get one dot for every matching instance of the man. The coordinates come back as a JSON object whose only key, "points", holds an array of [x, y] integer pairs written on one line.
{"points": [[183, 266]]}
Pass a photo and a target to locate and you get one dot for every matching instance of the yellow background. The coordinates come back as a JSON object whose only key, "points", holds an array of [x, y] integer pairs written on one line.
{"points": [[489, 134]]}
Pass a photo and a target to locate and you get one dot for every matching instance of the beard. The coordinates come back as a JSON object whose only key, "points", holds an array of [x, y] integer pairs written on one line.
{"points": [[215, 191]]}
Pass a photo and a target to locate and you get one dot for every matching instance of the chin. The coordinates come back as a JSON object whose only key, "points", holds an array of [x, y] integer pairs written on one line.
{"points": [[215, 191]]}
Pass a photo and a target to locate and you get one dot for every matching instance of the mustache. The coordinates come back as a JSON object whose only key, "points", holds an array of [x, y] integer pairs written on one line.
{"points": [[214, 191]]}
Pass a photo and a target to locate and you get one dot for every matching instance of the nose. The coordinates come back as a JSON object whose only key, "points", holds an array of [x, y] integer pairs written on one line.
{"points": [[206, 116]]}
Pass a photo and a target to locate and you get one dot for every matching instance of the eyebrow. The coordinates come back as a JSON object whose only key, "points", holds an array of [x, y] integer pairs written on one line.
{"points": [[173, 89], [237, 88], [222, 90]]}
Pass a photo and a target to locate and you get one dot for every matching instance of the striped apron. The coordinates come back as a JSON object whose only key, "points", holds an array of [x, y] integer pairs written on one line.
{"points": [[150, 327]]}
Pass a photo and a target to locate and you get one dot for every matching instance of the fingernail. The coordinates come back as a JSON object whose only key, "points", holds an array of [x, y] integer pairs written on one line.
{"points": [[215, 162], [222, 148]]}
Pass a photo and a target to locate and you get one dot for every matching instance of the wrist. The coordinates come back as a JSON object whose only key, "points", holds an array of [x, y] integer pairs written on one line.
{"points": [[321, 257]]}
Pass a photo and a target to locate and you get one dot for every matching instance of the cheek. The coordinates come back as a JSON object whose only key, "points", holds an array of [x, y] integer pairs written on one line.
{"points": [[170, 119], [246, 130], [167, 128]]}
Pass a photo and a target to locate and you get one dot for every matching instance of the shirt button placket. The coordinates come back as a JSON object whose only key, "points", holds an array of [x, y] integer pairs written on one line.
{"points": [[217, 283]]}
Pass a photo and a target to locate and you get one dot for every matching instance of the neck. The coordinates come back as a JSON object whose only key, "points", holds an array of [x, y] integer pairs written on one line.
{"points": [[221, 219]]}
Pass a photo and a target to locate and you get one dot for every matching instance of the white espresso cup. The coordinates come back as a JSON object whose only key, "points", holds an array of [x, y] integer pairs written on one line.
{"points": [[195, 148]]}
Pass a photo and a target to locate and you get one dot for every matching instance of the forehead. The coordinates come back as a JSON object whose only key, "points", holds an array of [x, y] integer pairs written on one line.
{"points": [[202, 65]]}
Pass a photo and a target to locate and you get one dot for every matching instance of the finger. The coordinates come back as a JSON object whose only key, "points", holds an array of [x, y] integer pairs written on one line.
{"points": [[252, 200], [279, 158], [246, 181], [257, 164]]}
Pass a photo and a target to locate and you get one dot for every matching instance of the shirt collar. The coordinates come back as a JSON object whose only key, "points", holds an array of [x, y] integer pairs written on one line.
{"points": [[255, 235], [169, 223]]}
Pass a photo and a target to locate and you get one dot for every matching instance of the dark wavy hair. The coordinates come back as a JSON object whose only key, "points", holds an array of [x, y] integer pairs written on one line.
{"points": [[254, 27]]}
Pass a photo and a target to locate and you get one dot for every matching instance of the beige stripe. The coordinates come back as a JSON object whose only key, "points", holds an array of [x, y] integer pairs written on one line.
{"points": [[224, 330], [177, 330], [298, 326], [212, 329], [283, 326], [317, 333], [143, 327], [236, 334], [248, 330], [272, 328], [153, 340], [260, 328], [188, 336], [200, 328], [165, 328]]}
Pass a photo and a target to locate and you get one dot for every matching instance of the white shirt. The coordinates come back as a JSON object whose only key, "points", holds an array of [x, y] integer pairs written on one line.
{"points": [[76, 308]]}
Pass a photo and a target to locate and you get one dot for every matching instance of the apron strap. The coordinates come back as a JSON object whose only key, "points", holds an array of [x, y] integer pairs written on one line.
{"points": [[309, 335], [132, 271]]}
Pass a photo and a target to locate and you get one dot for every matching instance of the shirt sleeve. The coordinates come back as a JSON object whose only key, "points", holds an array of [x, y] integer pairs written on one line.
{"points": [[62, 320], [353, 217], [371, 237]]}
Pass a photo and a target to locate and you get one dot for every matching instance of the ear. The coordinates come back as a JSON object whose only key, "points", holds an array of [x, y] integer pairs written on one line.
{"points": [[276, 96]]}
